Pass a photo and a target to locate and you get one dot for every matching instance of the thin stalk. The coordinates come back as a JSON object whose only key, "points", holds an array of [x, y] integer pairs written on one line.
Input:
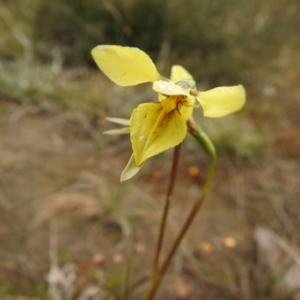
{"points": [[205, 142], [162, 228], [195, 209]]}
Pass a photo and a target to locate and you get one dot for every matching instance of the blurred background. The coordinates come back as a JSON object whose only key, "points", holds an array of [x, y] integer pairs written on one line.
{"points": [[68, 227]]}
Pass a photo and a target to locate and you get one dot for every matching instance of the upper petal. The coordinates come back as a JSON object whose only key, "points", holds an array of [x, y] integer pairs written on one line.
{"points": [[124, 65], [154, 129], [222, 101], [179, 73]]}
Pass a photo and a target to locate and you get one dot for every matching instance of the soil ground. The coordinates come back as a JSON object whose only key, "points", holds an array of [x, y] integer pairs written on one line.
{"points": [[61, 203]]}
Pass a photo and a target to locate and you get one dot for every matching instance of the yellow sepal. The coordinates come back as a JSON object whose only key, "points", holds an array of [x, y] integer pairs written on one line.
{"points": [[119, 121], [130, 170], [155, 128], [117, 131], [222, 101], [179, 73], [124, 65]]}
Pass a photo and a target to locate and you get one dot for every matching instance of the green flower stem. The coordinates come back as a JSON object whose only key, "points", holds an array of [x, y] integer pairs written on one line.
{"points": [[203, 139], [206, 143], [174, 172]]}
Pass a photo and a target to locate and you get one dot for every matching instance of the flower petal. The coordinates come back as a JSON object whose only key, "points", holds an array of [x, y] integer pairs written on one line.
{"points": [[130, 170], [124, 65], [155, 128], [222, 101], [179, 73], [125, 130], [169, 88], [119, 121], [186, 111]]}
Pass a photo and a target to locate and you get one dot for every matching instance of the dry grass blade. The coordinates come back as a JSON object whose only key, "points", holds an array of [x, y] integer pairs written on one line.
{"points": [[281, 259]]}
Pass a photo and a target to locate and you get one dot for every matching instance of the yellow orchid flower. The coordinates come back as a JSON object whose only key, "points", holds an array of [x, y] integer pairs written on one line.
{"points": [[158, 126]]}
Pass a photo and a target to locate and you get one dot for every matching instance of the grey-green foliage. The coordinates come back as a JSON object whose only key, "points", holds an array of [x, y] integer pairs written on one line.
{"points": [[215, 40], [79, 25]]}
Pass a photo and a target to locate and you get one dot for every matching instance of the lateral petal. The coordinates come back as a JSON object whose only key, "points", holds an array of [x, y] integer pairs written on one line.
{"points": [[125, 65], [155, 128], [125, 130], [119, 121], [222, 101]]}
